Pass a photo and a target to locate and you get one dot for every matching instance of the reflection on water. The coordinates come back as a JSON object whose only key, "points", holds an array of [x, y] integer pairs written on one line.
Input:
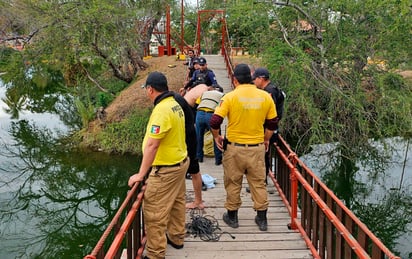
{"points": [[379, 193], [54, 202]]}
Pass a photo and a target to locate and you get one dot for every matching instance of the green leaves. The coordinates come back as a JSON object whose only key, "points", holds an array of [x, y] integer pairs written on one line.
{"points": [[336, 75]]}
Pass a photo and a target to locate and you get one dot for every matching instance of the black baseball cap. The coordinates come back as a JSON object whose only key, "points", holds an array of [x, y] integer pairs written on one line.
{"points": [[202, 61], [195, 60], [157, 81], [261, 72]]}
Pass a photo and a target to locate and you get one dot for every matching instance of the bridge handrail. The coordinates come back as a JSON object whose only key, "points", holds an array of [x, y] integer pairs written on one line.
{"points": [[293, 209], [325, 199], [136, 236], [227, 50]]}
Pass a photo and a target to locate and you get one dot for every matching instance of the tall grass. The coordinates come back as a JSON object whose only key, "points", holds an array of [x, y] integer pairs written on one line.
{"points": [[86, 112]]}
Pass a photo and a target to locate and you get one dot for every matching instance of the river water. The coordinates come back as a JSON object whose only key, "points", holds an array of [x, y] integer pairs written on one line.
{"points": [[55, 203], [381, 197]]}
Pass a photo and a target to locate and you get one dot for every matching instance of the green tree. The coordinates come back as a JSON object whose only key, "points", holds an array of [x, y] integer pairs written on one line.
{"points": [[90, 46], [318, 52]]}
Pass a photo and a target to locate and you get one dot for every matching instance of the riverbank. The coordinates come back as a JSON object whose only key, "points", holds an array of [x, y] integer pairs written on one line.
{"points": [[125, 118], [120, 128], [134, 97]]}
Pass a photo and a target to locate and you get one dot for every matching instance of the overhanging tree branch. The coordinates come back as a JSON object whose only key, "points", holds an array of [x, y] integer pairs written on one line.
{"points": [[116, 71]]}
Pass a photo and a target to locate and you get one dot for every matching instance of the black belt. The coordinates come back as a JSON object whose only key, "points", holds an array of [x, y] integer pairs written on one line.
{"points": [[177, 164], [243, 145], [207, 111]]}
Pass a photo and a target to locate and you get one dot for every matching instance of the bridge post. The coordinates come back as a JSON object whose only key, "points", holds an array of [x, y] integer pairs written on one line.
{"points": [[293, 192]]}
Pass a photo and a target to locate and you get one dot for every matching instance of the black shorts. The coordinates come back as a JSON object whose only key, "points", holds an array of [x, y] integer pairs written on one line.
{"points": [[194, 167]]}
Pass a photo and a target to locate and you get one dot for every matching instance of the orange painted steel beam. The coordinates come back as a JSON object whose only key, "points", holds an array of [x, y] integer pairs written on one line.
{"points": [[118, 239], [293, 206], [294, 158], [356, 247], [294, 220], [199, 20], [182, 27], [330, 215], [359, 223], [114, 221], [223, 23], [168, 41], [198, 29]]}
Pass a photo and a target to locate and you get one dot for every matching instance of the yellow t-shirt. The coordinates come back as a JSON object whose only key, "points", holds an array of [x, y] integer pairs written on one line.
{"points": [[167, 122], [246, 108]]}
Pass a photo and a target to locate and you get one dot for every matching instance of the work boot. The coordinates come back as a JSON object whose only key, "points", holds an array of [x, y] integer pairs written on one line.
{"points": [[230, 218], [261, 220], [175, 246]]}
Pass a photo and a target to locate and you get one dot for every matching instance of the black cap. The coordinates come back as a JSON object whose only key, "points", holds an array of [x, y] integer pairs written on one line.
{"points": [[202, 61], [242, 74], [157, 81], [261, 72], [195, 60]]}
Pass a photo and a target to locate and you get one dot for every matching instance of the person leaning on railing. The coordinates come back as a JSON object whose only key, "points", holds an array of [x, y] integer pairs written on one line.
{"points": [[247, 109], [165, 160]]}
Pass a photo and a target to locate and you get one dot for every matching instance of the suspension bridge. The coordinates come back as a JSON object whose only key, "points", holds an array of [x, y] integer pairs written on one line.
{"points": [[305, 218]]}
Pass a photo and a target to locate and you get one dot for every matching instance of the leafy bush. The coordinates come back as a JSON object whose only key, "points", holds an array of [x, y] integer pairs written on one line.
{"points": [[103, 99], [393, 81]]}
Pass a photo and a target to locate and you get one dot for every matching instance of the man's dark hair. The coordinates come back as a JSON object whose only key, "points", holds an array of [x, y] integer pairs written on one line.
{"points": [[242, 74]]}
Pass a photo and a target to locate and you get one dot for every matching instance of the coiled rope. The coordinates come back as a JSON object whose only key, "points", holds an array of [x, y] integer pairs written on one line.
{"points": [[206, 227]]}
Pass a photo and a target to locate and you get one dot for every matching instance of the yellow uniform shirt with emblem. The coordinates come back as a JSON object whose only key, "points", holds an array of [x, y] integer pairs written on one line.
{"points": [[167, 123], [246, 108]]}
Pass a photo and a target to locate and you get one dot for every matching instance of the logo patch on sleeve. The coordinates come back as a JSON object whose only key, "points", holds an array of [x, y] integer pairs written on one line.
{"points": [[155, 129]]}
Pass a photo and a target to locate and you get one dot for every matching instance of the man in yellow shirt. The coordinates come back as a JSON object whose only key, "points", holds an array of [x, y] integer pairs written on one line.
{"points": [[247, 109], [165, 161]]}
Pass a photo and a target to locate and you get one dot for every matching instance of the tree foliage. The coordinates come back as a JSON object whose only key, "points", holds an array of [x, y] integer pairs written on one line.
{"points": [[336, 61], [87, 43]]}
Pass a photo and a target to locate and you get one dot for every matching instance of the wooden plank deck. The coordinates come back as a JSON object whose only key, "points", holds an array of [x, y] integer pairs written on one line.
{"points": [[249, 242]]}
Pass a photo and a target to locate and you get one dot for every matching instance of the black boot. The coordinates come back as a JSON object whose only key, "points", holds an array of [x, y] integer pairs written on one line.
{"points": [[230, 218], [261, 220]]}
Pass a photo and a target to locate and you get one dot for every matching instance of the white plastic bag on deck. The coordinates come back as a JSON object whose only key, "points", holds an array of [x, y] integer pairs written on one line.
{"points": [[209, 181]]}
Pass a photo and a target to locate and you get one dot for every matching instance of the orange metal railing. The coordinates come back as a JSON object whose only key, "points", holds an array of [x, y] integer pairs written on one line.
{"points": [[329, 228], [132, 228], [227, 50]]}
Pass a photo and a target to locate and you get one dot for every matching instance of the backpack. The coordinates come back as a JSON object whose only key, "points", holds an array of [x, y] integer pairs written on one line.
{"points": [[278, 95]]}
